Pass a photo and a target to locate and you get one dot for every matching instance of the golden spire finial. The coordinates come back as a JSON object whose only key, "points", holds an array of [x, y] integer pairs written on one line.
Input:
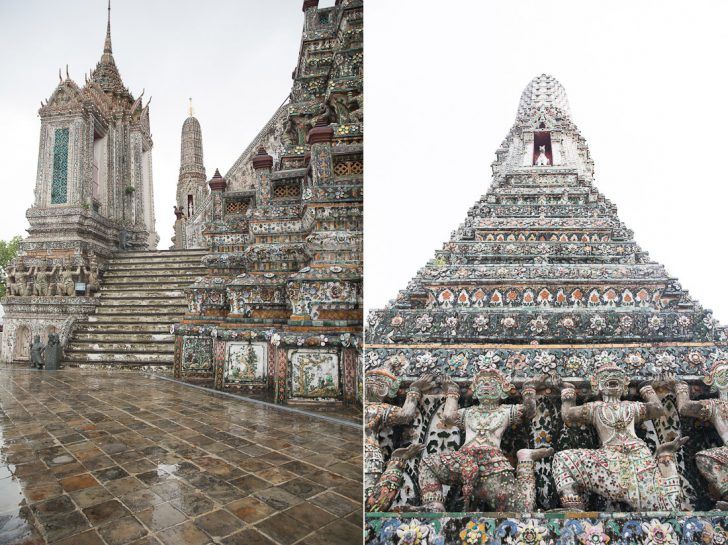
{"points": [[192, 113]]}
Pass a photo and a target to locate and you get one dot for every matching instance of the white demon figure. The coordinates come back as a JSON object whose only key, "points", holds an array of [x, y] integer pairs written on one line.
{"points": [[479, 465], [623, 469], [712, 463]]}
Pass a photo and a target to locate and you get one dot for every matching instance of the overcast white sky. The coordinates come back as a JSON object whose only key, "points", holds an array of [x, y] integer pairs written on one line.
{"points": [[647, 84], [233, 57]]}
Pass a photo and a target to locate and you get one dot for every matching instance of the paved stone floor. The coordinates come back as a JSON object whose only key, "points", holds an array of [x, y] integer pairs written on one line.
{"points": [[91, 458]]}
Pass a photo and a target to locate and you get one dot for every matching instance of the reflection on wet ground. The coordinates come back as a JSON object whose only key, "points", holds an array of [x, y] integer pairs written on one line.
{"points": [[338, 411], [89, 458]]}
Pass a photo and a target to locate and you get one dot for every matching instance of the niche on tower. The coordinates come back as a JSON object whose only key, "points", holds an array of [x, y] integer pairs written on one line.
{"points": [[190, 206], [542, 154]]}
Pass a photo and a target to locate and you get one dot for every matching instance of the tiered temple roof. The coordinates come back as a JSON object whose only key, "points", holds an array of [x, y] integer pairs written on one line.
{"points": [[542, 274]]}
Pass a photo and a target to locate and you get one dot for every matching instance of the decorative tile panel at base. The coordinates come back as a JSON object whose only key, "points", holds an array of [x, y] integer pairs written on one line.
{"points": [[659, 528], [246, 363], [315, 374], [197, 357]]}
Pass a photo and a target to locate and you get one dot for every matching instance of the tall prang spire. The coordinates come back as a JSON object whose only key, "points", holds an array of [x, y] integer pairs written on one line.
{"points": [[106, 74], [107, 42]]}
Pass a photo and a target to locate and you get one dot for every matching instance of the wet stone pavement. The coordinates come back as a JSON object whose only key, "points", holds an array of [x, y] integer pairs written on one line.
{"points": [[92, 458]]}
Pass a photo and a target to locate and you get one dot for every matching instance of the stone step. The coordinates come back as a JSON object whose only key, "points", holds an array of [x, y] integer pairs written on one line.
{"points": [[104, 347], [153, 267], [135, 314], [151, 281], [194, 259], [155, 302], [121, 337], [154, 273], [118, 358], [121, 328], [170, 254], [156, 287], [106, 294]]}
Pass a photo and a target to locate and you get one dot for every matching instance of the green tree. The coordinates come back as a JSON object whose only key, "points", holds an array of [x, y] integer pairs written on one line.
{"points": [[8, 251]]}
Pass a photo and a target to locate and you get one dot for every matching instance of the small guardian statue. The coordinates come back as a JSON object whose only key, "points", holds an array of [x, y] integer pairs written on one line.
{"points": [[52, 356], [712, 463], [480, 465], [623, 469], [36, 353]]}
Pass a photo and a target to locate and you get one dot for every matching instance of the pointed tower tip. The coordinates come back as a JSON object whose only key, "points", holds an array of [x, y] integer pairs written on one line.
{"points": [[107, 43], [191, 111], [544, 91]]}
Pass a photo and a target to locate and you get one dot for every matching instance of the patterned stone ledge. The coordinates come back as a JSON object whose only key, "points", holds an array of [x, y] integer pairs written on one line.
{"points": [[591, 528]]}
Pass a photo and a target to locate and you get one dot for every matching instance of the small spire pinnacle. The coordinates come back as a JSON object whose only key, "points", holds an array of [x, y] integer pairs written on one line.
{"points": [[192, 112], [107, 43]]}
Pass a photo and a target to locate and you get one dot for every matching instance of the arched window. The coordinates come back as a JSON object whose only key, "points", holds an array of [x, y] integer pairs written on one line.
{"points": [[542, 145]]}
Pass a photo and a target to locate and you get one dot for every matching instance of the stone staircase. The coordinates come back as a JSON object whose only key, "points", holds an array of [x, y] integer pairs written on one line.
{"points": [[142, 295]]}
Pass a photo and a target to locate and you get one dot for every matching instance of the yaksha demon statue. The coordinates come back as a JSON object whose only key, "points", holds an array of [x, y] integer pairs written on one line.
{"points": [[479, 465], [380, 485], [623, 469], [712, 463]]}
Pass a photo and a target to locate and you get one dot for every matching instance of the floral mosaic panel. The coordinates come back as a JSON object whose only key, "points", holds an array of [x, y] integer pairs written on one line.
{"points": [[246, 363], [550, 529], [197, 354], [315, 374]]}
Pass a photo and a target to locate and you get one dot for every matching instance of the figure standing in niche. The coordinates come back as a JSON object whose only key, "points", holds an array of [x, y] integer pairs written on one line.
{"points": [[480, 465], [712, 463], [36, 353], [542, 160], [623, 469], [382, 484]]}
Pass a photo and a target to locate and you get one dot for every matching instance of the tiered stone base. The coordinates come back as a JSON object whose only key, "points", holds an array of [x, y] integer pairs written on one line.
{"points": [[644, 528]]}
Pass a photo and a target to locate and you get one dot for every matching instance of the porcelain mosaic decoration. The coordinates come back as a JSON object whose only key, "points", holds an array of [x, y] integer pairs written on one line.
{"points": [[542, 362], [282, 231]]}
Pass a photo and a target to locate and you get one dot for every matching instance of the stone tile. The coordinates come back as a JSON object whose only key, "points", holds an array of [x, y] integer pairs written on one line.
{"points": [[90, 496], [335, 533], [107, 511], [55, 506], [250, 509], [110, 474], [122, 531], [161, 516], [172, 488], [192, 465], [43, 492], [219, 523], [303, 488], [276, 475], [284, 529], [310, 515], [186, 533], [79, 482], [193, 504], [90, 537], [125, 485], [247, 537], [141, 499], [61, 526], [277, 498], [250, 483], [335, 503]]}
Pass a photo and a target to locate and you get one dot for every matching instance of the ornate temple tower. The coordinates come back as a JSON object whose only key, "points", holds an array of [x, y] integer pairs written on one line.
{"points": [[93, 196], [279, 313], [192, 184], [542, 277]]}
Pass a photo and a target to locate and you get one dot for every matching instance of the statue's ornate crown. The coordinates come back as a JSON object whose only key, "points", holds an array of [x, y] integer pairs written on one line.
{"points": [[497, 374]]}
